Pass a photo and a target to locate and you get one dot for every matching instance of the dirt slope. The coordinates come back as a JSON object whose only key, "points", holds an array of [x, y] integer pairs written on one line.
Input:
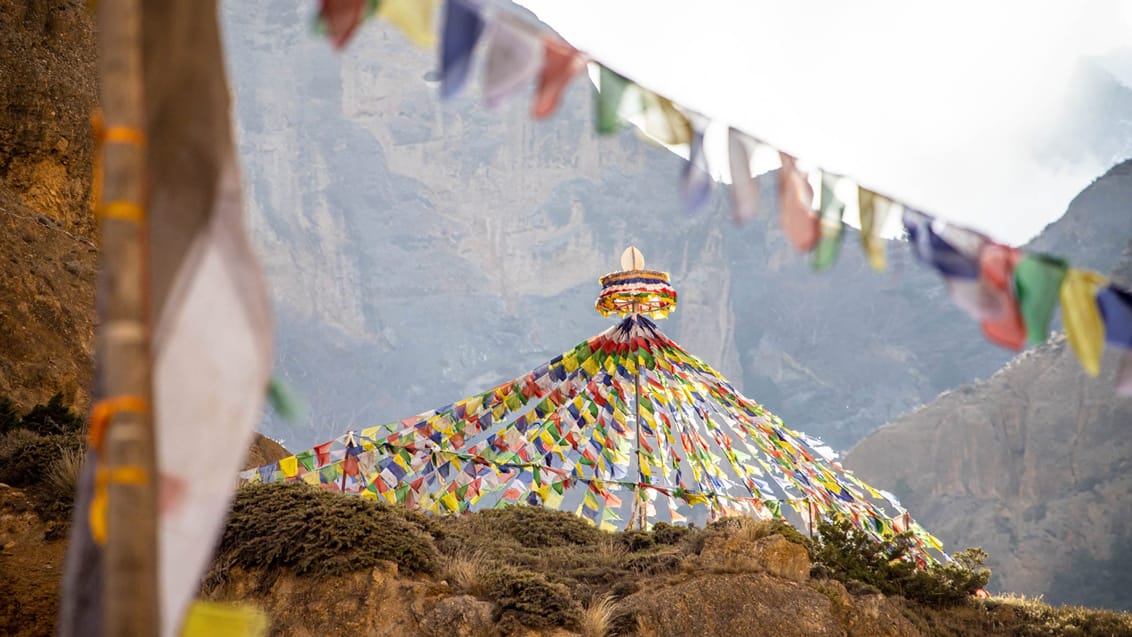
{"points": [[47, 255]]}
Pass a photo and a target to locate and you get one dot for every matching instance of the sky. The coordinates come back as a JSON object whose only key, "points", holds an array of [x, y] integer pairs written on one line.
{"points": [[971, 111]]}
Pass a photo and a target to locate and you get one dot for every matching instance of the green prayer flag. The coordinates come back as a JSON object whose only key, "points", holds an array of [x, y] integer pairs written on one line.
{"points": [[285, 403], [307, 459], [832, 228], [610, 94], [1037, 282]]}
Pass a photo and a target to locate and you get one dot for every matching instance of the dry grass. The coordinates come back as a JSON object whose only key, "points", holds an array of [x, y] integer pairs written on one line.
{"points": [[13, 440], [62, 476], [597, 616], [465, 572], [611, 550]]}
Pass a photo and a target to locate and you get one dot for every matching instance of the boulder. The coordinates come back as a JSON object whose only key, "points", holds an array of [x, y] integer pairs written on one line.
{"points": [[773, 554]]}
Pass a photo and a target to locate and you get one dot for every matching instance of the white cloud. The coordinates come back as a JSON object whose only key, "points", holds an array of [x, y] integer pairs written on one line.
{"points": [[946, 107]]}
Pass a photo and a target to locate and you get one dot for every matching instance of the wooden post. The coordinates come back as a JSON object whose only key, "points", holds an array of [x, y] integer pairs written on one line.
{"points": [[127, 467]]}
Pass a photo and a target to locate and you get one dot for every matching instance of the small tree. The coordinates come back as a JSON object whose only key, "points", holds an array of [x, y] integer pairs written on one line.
{"points": [[850, 555]]}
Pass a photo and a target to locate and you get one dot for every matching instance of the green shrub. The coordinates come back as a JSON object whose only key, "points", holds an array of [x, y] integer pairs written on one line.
{"points": [[532, 599], [665, 533], [533, 526], [54, 418], [636, 540], [853, 557], [318, 533], [9, 416]]}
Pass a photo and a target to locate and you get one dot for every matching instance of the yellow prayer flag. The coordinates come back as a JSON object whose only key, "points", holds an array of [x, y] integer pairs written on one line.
{"points": [[450, 501], [289, 466], [591, 366], [413, 18], [552, 499], [873, 210], [1083, 323], [224, 620], [661, 120], [570, 362], [474, 404], [697, 498]]}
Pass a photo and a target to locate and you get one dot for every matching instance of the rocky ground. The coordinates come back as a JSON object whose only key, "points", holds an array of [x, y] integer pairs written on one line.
{"points": [[325, 564]]}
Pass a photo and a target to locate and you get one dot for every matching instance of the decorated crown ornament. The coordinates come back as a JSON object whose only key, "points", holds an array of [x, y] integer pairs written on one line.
{"points": [[635, 290]]}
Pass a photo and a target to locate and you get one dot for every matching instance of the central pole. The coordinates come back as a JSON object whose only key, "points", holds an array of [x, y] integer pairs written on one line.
{"points": [[126, 469], [642, 510]]}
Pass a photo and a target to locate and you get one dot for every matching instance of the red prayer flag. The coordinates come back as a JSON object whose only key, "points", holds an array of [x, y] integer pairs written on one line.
{"points": [[795, 206], [561, 62], [996, 269], [342, 18]]}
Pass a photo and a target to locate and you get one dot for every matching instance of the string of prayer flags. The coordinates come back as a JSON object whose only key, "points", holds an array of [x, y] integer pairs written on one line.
{"points": [[514, 57], [1010, 294], [463, 27]]}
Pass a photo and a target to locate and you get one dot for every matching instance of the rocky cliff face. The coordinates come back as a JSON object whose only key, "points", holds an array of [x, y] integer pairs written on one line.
{"points": [[1032, 465], [47, 254], [420, 251]]}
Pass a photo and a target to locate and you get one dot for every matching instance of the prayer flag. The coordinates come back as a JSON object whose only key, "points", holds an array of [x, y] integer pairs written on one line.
{"points": [[514, 57], [462, 29]]}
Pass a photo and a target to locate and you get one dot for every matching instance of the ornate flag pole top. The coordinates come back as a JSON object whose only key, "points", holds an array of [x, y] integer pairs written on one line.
{"points": [[635, 290]]}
